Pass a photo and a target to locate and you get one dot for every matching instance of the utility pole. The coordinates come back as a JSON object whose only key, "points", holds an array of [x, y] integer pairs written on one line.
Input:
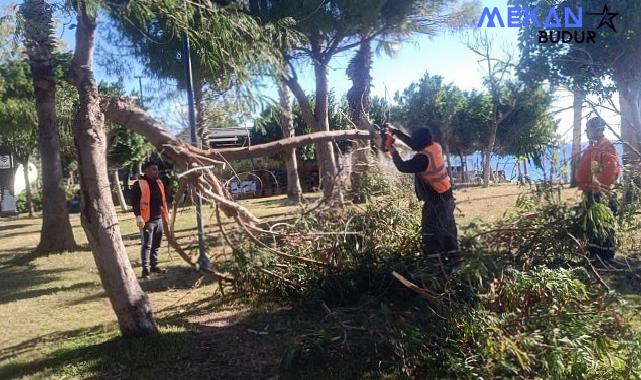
{"points": [[142, 104], [203, 260]]}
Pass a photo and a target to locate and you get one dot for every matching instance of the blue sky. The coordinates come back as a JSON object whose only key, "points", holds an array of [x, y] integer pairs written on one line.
{"points": [[445, 55]]}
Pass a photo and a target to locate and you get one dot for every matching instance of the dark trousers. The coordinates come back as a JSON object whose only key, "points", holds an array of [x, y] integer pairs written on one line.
{"points": [[151, 239], [438, 227]]}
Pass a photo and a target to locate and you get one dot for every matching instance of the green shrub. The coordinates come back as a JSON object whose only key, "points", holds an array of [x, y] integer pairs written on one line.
{"points": [[36, 201]]}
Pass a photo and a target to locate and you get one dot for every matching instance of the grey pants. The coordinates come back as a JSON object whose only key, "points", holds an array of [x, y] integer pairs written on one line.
{"points": [[151, 238], [438, 227]]}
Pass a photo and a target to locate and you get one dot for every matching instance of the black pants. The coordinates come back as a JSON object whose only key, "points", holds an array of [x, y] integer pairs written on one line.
{"points": [[438, 227], [151, 239]]}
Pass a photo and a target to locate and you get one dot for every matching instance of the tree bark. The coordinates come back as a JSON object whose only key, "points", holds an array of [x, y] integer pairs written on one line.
{"points": [[358, 98], [325, 157], [294, 191], [98, 214], [121, 196], [56, 234], [630, 133], [27, 188], [577, 105], [487, 155]]}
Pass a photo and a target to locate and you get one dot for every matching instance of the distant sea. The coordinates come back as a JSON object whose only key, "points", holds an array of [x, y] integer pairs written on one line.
{"points": [[508, 163]]}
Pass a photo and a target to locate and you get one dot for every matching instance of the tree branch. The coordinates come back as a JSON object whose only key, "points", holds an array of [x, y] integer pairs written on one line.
{"points": [[299, 93], [135, 118]]}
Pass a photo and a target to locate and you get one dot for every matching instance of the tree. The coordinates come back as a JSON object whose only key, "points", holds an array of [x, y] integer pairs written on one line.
{"points": [[294, 190], [326, 34], [18, 120], [469, 126], [98, 216], [56, 234], [18, 126], [154, 34], [503, 92], [530, 129], [433, 104]]}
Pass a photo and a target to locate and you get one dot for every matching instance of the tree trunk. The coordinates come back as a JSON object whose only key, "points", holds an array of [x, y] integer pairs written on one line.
{"points": [[27, 188], [121, 196], [358, 98], [56, 234], [630, 107], [579, 97], [294, 191], [463, 170], [98, 214], [324, 150], [487, 154]]}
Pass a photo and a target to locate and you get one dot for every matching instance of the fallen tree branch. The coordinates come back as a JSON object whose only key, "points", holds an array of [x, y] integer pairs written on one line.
{"points": [[129, 115]]}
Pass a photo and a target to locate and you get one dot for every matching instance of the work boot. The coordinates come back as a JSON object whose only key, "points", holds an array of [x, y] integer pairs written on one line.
{"points": [[158, 270], [145, 274]]}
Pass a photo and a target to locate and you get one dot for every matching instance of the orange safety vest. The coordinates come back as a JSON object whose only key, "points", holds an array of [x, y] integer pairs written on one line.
{"points": [[436, 173], [145, 200]]}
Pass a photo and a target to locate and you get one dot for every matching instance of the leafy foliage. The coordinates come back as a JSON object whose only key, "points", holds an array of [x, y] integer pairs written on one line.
{"points": [[18, 119], [459, 119], [521, 304]]}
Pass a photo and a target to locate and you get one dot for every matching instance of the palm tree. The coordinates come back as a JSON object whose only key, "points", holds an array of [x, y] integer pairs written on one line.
{"points": [[56, 234]]}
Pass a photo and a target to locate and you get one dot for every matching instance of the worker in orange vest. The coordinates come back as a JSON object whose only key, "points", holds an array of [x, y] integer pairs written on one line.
{"points": [[433, 186], [598, 170], [150, 207]]}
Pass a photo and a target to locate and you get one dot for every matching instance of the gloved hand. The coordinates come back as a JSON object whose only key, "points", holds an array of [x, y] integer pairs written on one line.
{"points": [[391, 129], [389, 141], [139, 221]]}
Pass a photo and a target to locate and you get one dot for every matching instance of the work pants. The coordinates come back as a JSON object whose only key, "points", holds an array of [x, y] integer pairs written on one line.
{"points": [[438, 227], [151, 238]]}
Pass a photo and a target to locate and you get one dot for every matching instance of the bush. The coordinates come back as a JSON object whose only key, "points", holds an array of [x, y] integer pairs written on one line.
{"points": [[36, 201]]}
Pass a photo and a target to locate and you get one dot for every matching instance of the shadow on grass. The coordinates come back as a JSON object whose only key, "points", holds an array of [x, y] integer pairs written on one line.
{"points": [[249, 348], [13, 227], [21, 295]]}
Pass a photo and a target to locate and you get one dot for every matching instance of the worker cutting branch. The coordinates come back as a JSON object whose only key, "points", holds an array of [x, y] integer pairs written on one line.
{"points": [[433, 187]]}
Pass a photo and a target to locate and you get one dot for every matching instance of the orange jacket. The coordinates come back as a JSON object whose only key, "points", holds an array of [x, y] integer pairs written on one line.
{"points": [[145, 200], [436, 173], [599, 167]]}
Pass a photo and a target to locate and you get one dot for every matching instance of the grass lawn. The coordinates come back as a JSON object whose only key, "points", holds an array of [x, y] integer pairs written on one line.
{"points": [[56, 322]]}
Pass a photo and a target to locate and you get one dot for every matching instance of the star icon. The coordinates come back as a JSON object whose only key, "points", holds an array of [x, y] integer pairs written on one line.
{"points": [[607, 19]]}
